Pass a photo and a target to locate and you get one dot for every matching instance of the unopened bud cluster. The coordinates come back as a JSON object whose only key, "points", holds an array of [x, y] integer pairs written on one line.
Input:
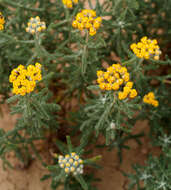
{"points": [[87, 19], [35, 25], [24, 79], [150, 99], [69, 3], [116, 77], [146, 48], [2, 21], [71, 163]]}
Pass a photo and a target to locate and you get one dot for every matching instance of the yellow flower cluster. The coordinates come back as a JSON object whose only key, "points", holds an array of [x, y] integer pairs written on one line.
{"points": [[87, 19], [35, 25], [150, 99], [71, 163], [24, 79], [114, 78], [146, 48], [2, 21], [69, 3]]}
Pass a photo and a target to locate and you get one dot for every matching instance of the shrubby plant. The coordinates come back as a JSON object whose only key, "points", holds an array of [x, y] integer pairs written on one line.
{"points": [[156, 173], [69, 168], [111, 57]]}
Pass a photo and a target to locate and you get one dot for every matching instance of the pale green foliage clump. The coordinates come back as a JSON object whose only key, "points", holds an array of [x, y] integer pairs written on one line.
{"points": [[157, 171]]}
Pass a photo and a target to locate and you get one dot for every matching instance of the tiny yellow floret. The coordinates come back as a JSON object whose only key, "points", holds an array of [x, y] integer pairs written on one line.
{"points": [[2, 21], [150, 99], [67, 170], [69, 3]]}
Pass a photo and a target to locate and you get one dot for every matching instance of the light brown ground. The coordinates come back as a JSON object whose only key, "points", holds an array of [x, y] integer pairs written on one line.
{"points": [[20, 179], [112, 178]]}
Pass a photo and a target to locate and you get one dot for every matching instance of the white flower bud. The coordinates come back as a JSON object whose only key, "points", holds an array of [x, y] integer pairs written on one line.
{"points": [[112, 125]]}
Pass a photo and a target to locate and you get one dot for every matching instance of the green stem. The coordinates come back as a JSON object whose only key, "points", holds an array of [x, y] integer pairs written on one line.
{"points": [[94, 159], [38, 45], [28, 113], [84, 55], [67, 15], [41, 52], [31, 59], [105, 113], [130, 61], [54, 25], [69, 143], [12, 39]]}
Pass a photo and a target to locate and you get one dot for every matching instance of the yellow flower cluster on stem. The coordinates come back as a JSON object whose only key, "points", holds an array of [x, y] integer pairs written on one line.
{"points": [[146, 49], [150, 99], [2, 21], [87, 19], [69, 3], [24, 79], [116, 77], [71, 163], [35, 25]]}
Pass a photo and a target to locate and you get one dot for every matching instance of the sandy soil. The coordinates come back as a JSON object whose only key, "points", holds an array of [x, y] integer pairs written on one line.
{"points": [[111, 174], [20, 179]]}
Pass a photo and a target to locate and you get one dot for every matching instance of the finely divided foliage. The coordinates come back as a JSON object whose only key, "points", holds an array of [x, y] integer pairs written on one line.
{"points": [[90, 69]]}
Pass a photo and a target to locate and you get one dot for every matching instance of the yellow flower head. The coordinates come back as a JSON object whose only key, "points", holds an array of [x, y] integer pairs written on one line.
{"points": [[71, 163], [2, 21], [24, 79], [116, 77], [150, 99], [35, 25], [69, 3], [87, 19], [146, 48]]}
